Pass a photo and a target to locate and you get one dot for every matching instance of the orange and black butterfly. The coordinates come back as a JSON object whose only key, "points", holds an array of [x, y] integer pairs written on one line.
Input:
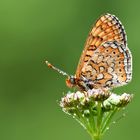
{"points": [[106, 61]]}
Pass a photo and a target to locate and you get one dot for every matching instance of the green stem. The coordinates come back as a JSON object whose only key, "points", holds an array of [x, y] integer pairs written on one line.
{"points": [[99, 116], [97, 136], [107, 120], [92, 121], [83, 121]]}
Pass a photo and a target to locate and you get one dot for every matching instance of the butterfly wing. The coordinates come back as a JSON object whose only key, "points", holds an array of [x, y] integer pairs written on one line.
{"points": [[106, 59]]}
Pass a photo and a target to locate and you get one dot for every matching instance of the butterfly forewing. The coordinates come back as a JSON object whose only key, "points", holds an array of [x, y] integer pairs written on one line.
{"points": [[106, 60]]}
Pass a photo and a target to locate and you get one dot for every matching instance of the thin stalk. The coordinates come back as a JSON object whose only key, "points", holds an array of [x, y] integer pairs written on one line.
{"points": [[108, 120], [83, 121], [99, 117], [92, 121], [97, 136]]}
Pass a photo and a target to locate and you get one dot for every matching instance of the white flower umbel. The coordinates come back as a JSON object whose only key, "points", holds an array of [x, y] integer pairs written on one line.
{"points": [[94, 109]]}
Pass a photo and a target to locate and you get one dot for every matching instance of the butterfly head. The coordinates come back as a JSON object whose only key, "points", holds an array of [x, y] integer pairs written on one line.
{"points": [[71, 81]]}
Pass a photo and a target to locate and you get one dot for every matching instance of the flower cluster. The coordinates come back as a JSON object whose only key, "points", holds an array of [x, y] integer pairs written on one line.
{"points": [[94, 109]]}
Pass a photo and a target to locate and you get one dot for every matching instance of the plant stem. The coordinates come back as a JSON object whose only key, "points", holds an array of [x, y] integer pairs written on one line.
{"points": [[92, 121], [97, 136], [99, 117], [108, 120], [83, 121]]}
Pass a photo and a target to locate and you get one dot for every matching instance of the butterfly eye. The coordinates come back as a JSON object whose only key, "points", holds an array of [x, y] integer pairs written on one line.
{"points": [[72, 80]]}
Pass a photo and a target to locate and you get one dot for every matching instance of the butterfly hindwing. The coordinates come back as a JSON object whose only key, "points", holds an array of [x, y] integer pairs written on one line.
{"points": [[110, 66]]}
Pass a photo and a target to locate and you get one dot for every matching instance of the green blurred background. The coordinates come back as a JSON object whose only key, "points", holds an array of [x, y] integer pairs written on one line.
{"points": [[32, 31]]}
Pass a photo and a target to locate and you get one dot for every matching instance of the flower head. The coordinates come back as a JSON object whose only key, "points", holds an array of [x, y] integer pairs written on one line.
{"points": [[94, 109]]}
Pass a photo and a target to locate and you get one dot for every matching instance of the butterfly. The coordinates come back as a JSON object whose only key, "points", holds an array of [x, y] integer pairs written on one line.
{"points": [[106, 61]]}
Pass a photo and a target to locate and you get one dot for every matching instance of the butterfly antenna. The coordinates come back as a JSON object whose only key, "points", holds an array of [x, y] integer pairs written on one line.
{"points": [[56, 69]]}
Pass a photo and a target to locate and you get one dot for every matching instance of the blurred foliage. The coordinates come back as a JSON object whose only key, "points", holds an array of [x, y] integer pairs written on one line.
{"points": [[32, 31]]}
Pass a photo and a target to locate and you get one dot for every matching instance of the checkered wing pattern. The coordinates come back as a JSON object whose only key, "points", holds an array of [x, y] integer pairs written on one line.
{"points": [[106, 60]]}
